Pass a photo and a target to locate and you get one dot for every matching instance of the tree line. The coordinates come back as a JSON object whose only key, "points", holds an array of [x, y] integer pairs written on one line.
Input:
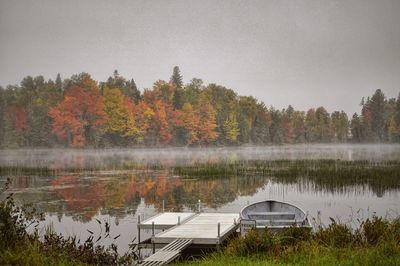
{"points": [[81, 112]]}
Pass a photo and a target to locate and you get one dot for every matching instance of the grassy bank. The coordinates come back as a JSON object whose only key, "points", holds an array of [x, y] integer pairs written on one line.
{"points": [[375, 242]]}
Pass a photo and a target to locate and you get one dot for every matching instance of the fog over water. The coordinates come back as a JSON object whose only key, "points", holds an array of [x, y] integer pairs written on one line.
{"points": [[117, 158]]}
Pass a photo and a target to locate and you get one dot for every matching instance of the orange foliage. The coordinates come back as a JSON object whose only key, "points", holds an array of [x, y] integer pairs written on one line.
{"points": [[80, 111]]}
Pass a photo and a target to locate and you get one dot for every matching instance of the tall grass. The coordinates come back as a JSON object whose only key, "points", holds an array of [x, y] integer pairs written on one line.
{"points": [[375, 242]]}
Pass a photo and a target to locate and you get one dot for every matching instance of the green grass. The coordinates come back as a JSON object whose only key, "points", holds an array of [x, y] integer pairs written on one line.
{"points": [[375, 242], [312, 254]]}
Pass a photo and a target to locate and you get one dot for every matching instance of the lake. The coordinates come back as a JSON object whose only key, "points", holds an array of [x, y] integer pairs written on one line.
{"points": [[118, 185]]}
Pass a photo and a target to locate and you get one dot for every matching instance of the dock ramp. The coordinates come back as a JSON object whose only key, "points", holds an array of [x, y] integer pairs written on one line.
{"points": [[168, 253]]}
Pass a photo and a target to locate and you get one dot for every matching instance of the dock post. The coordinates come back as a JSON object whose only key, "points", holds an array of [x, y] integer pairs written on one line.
{"points": [[163, 206], [152, 237], [138, 228], [219, 235], [199, 207]]}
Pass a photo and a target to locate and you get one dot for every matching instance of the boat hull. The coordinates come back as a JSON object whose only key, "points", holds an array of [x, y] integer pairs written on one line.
{"points": [[274, 215]]}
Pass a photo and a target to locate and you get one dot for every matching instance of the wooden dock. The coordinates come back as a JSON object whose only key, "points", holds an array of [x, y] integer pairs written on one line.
{"points": [[203, 229], [165, 220], [181, 230]]}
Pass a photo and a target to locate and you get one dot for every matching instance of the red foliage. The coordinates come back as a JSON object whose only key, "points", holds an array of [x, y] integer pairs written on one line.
{"points": [[19, 118], [80, 111]]}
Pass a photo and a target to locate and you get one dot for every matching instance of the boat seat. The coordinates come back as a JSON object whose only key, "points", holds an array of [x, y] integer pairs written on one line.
{"points": [[271, 215], [275, 222]]}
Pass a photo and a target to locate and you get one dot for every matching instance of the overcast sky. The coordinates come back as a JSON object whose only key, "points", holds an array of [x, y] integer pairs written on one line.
{"points": [[304, 53]]}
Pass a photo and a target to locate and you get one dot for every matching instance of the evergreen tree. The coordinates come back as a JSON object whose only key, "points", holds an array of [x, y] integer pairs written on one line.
{"points": [[58, 83], [132, 91], [356, 128], [176, 78], [377, 108], [2, 113], [397, 117]]}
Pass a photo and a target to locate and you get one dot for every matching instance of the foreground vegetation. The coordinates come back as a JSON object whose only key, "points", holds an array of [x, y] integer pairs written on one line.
{"points": [[375, 242], [21, 243]]}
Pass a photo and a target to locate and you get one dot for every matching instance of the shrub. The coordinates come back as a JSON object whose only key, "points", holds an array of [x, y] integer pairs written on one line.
{"points": [[294, 235], [375, 229], [335, 235]]}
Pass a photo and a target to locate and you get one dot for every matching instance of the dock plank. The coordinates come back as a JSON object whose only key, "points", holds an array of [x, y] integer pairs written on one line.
{"points": [[167, 254], [202, 228], [166, 220]]}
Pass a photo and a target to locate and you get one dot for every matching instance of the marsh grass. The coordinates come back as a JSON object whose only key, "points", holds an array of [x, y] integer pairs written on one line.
{"points": [[375, 242]]}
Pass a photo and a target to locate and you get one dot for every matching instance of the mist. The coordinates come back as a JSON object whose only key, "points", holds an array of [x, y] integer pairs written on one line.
{"points": [[129, 158]]}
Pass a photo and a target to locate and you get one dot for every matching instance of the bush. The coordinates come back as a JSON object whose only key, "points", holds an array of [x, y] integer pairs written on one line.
{"points": [[253, 243], [375, 229], [294, 235], [335, 235]]}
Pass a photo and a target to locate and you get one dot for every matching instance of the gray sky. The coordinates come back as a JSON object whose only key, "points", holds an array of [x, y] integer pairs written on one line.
{"points": [[304, 53]]}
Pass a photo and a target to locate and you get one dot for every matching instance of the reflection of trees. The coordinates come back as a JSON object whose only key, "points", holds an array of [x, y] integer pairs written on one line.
{"points": [[115, 195], [120, 195], [219, 191], [84, 198]]}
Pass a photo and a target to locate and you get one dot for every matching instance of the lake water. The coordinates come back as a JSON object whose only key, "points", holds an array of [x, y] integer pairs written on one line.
{"points": [[118, 186]]}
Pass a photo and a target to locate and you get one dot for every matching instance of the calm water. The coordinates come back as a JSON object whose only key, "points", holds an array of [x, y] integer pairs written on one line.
{"points": [[73, 201]]}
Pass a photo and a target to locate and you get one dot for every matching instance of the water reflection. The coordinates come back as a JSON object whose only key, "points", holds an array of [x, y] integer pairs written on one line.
{"points": [[72, 202], [116, 194]]}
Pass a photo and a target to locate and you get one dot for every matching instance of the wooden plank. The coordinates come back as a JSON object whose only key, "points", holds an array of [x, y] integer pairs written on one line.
{"points": [[165, 220], [203, 229], [168, 253]]}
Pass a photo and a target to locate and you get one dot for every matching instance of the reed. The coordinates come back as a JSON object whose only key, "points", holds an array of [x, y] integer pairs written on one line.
{"points": [[375, 242]]}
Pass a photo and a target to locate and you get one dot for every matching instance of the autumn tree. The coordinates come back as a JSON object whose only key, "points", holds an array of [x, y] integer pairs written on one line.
{"points": [[208, 125], [121, 123], [17, 120], [191, 123], [231, 129], [79, 115], [324, 130], [340, 126], [311, 125], [298, 127]]}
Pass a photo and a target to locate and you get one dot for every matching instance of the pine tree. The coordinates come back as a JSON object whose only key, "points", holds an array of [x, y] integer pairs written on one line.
{"points": [[176, 78], [356, 128], [58, 84], [377, 108], [2, 113]]}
